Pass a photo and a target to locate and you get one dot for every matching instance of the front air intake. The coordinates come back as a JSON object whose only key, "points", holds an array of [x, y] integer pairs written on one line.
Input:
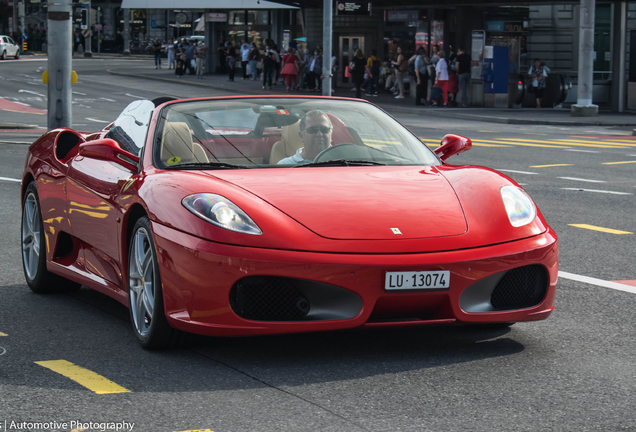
{"points": [[520, 288], [268, 298]]}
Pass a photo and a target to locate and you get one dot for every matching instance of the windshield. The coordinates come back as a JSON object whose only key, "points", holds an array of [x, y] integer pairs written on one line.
{"points": [[282, 133]]}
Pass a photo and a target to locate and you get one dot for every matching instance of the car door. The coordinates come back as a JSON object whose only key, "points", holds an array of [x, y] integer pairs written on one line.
{"points": [[13, 47], [92, 192]]}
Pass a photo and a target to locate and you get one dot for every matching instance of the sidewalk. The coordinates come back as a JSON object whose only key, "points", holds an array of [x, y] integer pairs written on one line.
{"points": [[526, 116]]}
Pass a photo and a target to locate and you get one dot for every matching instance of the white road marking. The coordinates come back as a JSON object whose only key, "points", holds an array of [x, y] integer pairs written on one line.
{"points": [[22, 103], [598, 282], [106, 99], [76, 92], [518, 172], [10, 179], [96, 120], [133, 96], [598, 191], [15, 142], [32, 92], [582, 151], [583, 180]]}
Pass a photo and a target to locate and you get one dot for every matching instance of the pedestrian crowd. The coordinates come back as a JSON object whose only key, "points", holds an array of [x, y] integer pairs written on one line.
{"points": [[431, 80]]}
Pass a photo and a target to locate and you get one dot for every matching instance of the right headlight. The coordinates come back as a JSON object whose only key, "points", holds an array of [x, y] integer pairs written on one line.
{"points": [[221, 212], [519, 206]]}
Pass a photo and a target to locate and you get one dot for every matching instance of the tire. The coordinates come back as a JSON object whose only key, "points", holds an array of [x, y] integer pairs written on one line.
{"points": [[38, 278], [3, 56], [145, 296], [17, 55]]}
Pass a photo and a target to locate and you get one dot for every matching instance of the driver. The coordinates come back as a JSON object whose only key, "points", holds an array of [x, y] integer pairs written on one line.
{"points": [[315, 132]]}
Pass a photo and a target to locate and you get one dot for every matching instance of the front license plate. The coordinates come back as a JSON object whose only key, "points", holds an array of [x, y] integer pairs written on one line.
{"points": [[417, 280]]}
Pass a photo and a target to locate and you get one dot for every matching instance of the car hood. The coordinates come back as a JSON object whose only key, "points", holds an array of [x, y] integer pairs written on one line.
{"points": [[360, 203]]}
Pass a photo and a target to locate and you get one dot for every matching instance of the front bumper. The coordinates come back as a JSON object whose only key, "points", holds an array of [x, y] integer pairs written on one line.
{"points": [[198, 275]]}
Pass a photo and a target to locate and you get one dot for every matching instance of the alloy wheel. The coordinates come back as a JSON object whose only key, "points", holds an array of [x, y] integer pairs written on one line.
{"points": [[31, 236], [142, 281]]}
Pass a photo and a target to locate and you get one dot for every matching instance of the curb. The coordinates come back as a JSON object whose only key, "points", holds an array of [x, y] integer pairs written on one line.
{"points": [[447, 113], [17, 126]]}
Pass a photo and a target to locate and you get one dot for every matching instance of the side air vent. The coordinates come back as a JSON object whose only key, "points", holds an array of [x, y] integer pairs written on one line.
{"points": [[66, 146]]}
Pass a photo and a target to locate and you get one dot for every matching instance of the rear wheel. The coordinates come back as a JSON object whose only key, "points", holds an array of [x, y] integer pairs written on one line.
{"points": [[39, 279], [4, 55], [145, 297]]}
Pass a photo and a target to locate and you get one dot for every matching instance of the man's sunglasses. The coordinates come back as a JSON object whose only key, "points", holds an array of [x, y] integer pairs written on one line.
{"points": [[314, 129]]}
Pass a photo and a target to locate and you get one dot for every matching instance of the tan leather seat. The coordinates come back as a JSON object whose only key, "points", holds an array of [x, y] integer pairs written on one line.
{"points": [[288, 145], [177, 142]]}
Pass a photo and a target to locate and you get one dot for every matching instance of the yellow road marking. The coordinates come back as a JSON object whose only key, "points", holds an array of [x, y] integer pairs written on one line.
{"points": [[198, 430], [545, 166], [576, 143], [3, 334], [617, 163], [597, 228], [528, 133], [488, 131], [504, 142], [612, 143], [84, 377]]}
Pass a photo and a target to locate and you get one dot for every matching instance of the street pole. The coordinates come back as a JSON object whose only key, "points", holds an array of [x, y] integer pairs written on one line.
{"points": [[88, 49], [60, 54], [99, 30], [126, 32], [584, 106], [327, 35], [21, 25]]}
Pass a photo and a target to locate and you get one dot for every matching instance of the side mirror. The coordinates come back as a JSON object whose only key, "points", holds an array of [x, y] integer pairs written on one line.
{"points": [[452, 145], [108, 150]]}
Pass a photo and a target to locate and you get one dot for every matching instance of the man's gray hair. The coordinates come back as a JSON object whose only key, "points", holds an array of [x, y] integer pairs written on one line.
{"points": [[313, 113]]}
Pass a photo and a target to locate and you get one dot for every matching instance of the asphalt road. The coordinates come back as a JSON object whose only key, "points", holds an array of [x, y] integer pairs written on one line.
{"points": [[572, 372]]}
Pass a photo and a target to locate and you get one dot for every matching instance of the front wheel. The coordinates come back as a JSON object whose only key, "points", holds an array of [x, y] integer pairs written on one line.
{"points": [[17, 54], [4, 55], [145, 297], [39, 279]]}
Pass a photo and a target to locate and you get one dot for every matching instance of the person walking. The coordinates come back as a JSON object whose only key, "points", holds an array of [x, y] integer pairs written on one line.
{"points": [[357, 68], [421, 75], [253, 57], [290, 69], [373, 72], [222, 52], [156, 50], [401, 66], [441, 76], [190, 58], [170, 50], [181, 59], [306, 71], [315, 70], [462, 66], [230, 59], [199, 58], [538, 74], [269, 61], [245, 51]]}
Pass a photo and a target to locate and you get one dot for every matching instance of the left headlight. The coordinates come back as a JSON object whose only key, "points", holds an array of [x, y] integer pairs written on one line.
{"points": [[221, 212], [519, 206]]}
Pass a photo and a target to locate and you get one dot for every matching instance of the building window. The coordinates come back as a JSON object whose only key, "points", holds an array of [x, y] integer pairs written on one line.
{"points": [[236, 17], [258, 18]]}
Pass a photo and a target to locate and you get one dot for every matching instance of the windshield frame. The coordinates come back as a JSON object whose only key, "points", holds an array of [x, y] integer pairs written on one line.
{"points": [[162, 118]]}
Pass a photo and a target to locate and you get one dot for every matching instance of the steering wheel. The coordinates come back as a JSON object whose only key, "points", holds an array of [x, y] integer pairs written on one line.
{"points": [[323, 155]]}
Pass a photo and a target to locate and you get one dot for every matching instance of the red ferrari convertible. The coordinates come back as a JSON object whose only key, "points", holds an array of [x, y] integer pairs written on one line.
{"points": [[241, 216]]}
